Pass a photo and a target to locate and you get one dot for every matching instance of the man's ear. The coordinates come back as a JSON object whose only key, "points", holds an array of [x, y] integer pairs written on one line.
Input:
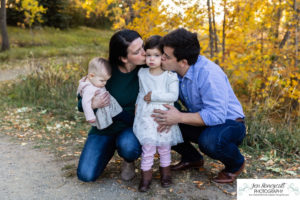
{"points": [[183, 63], [124, 59]]}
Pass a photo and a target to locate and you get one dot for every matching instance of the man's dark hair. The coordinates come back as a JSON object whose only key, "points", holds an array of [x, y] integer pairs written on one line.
{"points": [[118, 45], [154, 42], [185, 45]]}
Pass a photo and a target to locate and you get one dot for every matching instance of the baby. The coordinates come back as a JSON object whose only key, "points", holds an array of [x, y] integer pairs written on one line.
{"points": [[99, 72]]}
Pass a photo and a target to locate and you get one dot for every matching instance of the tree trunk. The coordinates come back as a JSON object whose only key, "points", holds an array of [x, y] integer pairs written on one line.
{"points": [[262, 42], [215, 31], [285, 38], [211, 40], [224, 33], [277, 22], [296, 18], [5, 41]]}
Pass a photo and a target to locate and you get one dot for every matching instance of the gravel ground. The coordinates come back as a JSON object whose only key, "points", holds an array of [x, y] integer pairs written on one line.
{"points": [[28, 173]]}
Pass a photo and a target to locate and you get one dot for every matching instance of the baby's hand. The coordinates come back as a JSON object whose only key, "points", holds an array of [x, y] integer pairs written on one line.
{"points": [[92, 121], [147, 97]]}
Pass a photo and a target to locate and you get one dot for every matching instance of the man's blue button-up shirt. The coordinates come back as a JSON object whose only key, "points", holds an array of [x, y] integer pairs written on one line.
{"points": [[205, 89]]}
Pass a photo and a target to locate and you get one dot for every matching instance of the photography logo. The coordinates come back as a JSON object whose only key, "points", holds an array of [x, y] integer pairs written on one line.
{"points": [[256, 189]]}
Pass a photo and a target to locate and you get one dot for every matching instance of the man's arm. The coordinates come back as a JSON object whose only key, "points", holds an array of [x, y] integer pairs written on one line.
{"points": [[193, 119]]}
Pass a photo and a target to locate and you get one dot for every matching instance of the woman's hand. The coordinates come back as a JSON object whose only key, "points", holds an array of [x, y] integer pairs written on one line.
{"points": [[92, 121], [147, 97], [101, 100]]}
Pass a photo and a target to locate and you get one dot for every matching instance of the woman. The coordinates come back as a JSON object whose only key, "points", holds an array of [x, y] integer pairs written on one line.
{"points": [[126, 53]]}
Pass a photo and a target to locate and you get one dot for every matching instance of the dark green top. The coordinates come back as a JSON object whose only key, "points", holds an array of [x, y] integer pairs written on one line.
{"points": [[124, 87]]}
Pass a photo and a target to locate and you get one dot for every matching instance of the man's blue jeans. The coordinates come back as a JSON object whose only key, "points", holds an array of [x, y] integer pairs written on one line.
{"points": [[99, 149], [218, 142]]}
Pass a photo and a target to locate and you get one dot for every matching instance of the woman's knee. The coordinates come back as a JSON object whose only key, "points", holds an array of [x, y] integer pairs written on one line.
{"points": [[128, 146], [129, 151], [86, 175]]}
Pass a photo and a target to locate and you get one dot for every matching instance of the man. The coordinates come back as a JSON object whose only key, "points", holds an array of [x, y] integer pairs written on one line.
{"points": [[215, 119]]}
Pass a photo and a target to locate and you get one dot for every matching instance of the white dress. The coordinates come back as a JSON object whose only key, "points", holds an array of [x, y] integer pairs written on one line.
{"points": [[165, 90]]}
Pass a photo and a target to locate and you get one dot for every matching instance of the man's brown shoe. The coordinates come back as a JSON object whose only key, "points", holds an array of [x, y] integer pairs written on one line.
{"points": [[145, 180], [187, 165], [165, 176], [227, 177]]}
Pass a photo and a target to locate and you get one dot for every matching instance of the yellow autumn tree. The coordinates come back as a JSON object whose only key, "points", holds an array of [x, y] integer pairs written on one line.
{"points": [[32, 11], [255, 42]]}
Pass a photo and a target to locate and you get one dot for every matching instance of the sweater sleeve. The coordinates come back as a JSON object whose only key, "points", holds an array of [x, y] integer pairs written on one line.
{"points": [[172, 88], [87, 96]]}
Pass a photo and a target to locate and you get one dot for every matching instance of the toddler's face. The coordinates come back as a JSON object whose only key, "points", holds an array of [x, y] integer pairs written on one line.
{"points": [[98, 81], [153, 58]]}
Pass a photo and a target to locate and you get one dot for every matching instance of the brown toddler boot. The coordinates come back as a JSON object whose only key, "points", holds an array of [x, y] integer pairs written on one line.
{"points": [[165, 176], [127, 170], [145, 180]]}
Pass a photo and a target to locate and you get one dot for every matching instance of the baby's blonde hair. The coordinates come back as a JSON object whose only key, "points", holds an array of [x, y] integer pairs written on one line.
{"points": [[99, 66]]}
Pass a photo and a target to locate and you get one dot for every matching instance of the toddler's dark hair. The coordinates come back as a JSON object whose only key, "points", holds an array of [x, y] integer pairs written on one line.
{"points": [[154, 42]]}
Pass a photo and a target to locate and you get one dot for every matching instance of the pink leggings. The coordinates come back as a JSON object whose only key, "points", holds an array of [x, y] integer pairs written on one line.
{"points": [[148, 156]]}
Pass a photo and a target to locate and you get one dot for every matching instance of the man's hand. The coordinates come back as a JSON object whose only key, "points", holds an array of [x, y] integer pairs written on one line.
{"points": [[147, 97], [163, 128], [100, 101], [166, 117]]}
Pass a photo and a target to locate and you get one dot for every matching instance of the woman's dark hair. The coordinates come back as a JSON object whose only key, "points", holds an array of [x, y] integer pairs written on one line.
{"points": [[154, 42], [185, 45], [118, 45]]}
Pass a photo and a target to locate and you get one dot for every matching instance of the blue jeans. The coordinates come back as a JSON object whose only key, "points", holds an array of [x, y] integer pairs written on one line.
{"points": [[218, 142], [99, 149]]}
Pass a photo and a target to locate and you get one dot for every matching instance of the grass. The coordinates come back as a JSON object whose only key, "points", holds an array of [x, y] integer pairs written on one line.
{"points": [[264, 134], [50, 42]]}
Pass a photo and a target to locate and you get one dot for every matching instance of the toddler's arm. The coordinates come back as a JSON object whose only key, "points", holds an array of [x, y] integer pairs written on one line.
{"points": [[141, 89], [173, 91]]}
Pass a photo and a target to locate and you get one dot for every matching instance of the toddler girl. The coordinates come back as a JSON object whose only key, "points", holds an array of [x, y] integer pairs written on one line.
{"points": [[157, 87], [99, 72]]}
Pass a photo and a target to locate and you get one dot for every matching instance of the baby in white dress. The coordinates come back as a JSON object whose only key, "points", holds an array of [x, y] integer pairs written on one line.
{"points": [[99, 72], [156, 87]]}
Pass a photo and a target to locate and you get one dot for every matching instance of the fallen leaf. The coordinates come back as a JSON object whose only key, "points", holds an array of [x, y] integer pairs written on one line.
{"points": [[119, 181], [269, 163], [201, 169], [291, 173]]}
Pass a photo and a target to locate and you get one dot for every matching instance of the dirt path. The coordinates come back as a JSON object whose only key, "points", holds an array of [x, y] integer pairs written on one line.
{"points": [[6, 75], [12, 69], [28, 173]]}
